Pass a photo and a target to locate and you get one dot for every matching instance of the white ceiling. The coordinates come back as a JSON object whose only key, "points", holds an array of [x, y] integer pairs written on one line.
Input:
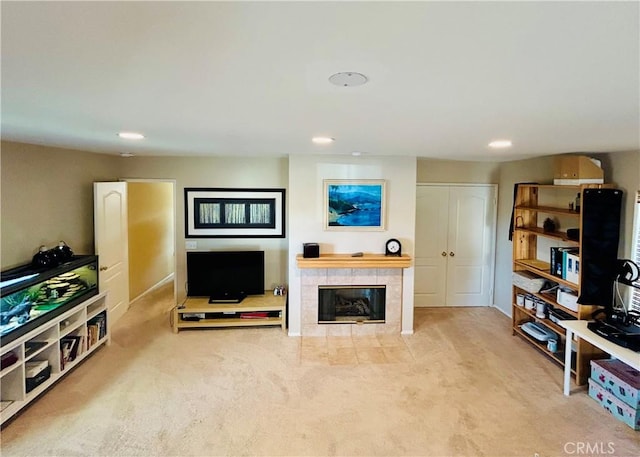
{"points": [[251, 78]]}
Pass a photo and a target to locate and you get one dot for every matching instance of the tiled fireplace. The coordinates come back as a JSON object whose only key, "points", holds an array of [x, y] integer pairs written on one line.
{"points": [[351, 304], [316, 275]]}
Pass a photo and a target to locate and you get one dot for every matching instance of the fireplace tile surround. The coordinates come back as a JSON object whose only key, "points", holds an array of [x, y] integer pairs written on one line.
{"points": [[312, 278]]}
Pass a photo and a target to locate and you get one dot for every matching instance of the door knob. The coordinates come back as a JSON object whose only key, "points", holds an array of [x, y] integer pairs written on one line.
{"points": [[103, 268], [444, 254], [452, 253]]}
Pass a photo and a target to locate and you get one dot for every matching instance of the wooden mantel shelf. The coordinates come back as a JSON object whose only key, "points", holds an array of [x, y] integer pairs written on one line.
{"points": [[347, 261]]}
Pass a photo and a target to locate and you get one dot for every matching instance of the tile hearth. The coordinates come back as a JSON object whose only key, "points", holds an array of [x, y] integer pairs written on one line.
{"points": [[357, 350]]}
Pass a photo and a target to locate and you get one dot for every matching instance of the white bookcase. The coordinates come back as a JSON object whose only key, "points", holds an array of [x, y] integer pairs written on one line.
{"points": [[47, 343]]}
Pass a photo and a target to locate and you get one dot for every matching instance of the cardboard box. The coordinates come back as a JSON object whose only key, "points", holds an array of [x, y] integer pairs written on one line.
{"points": [[619, 379], [575, 170], [619, 409]]}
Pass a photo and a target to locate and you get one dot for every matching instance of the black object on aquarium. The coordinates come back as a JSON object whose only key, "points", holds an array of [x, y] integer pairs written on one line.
{"points": [[42, 258], [61, 253], [49, 258]]}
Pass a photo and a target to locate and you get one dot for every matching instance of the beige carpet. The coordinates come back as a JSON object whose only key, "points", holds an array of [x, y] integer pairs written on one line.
{"points": [[460, 386]]}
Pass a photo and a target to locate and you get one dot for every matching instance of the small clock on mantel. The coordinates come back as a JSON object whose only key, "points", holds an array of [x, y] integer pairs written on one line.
{"points": [[393, 247]]}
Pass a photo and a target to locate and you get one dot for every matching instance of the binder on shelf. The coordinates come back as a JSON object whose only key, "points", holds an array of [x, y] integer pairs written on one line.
{"points": [[571, 267], [555, 262], [559, 261]]}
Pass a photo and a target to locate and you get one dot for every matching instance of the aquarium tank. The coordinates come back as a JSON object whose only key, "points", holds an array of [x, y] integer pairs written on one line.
{"points": [[31, 296]]}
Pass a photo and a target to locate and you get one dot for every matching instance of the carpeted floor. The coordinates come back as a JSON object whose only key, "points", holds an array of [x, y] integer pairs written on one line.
{"points": [[460, 386]]}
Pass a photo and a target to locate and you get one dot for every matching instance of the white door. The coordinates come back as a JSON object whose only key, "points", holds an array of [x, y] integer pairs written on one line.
{"points": [[432, 209], [111, 244], [455, 268], [472, 212]]}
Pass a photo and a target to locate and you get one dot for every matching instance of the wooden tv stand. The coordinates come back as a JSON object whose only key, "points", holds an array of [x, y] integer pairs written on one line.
{"points": [[231, 314]]}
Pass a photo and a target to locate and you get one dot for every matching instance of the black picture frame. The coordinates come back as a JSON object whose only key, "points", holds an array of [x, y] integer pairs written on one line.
{"points": [[234, 213]]}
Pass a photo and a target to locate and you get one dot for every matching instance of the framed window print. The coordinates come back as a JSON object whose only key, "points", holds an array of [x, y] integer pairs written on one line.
{"points": [[234, 213], [355, 204]]}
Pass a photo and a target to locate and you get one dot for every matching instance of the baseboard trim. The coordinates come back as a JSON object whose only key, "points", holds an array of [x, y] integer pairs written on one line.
{"points": [[501, 310], [156, 286]]}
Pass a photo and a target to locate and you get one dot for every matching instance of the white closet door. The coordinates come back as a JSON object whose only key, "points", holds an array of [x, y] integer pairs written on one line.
{"points": [[455, 233], [432, 208], [470, 244]]}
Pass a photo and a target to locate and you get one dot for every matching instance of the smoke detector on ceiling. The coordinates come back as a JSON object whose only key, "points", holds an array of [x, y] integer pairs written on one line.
{"points": [[348, 79]]}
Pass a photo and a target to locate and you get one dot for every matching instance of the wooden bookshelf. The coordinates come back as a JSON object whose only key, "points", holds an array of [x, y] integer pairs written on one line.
{"points": [[529, 212]]}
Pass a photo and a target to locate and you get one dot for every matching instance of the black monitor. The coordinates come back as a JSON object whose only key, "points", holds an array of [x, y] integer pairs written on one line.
{"points": [[225, 273]]}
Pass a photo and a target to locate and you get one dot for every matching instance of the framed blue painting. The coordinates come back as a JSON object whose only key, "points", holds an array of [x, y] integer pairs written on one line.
{"points": [[354, 204]]}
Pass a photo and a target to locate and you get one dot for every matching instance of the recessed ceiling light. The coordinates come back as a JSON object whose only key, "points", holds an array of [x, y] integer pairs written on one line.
{"points": [[348, 79], [322, 139], [131, 135], [500, 144], [126, 154], [356, 153]]}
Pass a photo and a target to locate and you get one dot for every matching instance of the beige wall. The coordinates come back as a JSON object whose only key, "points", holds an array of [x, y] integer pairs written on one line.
{"points": [[219, 172], [151, 230], [453, 171], [533, 170], [47, 196]]}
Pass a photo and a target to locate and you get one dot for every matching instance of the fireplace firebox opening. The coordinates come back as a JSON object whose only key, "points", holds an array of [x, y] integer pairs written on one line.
{"points": [[351, 304]]}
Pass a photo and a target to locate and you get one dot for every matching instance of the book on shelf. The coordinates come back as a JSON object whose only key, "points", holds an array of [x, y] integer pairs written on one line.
{"points": [[560, 259], [32, 346], [254, 315], [70, 347], [96, 329], [65, 349], [92, 331]]}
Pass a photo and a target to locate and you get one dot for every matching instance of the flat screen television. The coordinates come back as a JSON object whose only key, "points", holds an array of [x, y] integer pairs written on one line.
{"points": [[225, 275]]}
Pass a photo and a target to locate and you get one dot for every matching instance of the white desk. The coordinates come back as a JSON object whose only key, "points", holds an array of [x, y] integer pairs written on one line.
{"points": [[579, 328]]}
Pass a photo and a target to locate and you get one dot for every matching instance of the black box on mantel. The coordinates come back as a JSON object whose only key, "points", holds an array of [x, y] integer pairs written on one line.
{"points": [[310, 250]]}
